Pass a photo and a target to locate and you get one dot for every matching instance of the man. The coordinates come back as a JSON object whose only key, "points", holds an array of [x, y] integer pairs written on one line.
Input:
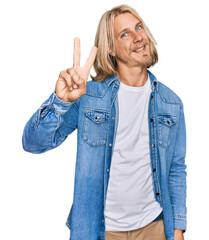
{"points": [[130, 178]]}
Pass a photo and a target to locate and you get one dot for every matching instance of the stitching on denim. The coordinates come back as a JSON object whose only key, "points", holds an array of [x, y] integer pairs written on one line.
{"points": [[44, 106], [85, 137], [35, 122], [169, 102], [98, 109], [160, 140], [155, 154], [76, 105], [102, 94], [180, 217], [111, 81], [53, 135]]}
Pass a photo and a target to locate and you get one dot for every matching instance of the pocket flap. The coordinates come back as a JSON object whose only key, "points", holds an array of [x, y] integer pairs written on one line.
{"points": [[98, 116], [167, 120]]}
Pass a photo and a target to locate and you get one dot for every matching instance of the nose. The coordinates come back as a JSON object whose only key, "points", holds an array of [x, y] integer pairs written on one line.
{"points": [[137, 37]]}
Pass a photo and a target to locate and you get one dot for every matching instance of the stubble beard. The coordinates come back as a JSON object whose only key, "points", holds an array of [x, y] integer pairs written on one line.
{"points": [[146, 59]]}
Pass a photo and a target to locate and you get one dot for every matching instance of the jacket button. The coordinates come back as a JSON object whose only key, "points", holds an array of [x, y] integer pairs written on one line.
{"points": [[154, 170], [108, 170], [151, 119], [110, 145], [153, 145], [113, 118]]}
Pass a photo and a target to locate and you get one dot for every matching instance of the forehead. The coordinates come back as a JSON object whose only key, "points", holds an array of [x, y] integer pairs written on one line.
{"points": [[125, 20]]}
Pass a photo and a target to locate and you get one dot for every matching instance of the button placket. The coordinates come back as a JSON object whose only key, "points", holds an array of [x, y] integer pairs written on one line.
{"points": [[153, 146]]}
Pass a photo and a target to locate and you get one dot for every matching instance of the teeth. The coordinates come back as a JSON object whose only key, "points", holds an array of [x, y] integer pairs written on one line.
{"points": [[139, 49]]}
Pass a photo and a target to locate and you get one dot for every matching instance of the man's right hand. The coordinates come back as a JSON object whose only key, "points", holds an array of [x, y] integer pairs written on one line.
{"points": [[71, 84]]}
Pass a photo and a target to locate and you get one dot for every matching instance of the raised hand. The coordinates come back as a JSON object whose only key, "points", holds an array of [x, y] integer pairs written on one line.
{"points": [[71, 84]]}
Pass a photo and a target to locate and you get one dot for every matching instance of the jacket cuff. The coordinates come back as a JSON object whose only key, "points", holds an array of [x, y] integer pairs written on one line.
{"points": [[60, 106], [180, 222]]}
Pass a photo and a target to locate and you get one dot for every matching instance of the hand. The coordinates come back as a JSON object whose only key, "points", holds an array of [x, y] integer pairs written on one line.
{"points": [[178, 234], [71, 84]]}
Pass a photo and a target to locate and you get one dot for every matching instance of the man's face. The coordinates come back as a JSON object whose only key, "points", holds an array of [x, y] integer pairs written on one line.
{"points": [[132, 45]]}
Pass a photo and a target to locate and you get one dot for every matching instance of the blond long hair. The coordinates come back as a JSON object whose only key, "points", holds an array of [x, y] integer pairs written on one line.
{"points": [[105, 65]]}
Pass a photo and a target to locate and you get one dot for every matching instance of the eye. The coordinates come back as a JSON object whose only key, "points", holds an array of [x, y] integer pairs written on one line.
{"points": [[138, 28], [124, 35]]}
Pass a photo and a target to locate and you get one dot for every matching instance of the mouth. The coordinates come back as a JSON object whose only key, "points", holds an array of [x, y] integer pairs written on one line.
{"points": [[140, 49]]}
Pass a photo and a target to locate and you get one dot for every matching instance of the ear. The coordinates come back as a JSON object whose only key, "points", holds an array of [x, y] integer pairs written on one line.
{"points": [[110, 51]]}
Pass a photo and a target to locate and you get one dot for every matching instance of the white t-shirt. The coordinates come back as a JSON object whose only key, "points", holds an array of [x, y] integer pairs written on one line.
{"points": [[130, 202]]}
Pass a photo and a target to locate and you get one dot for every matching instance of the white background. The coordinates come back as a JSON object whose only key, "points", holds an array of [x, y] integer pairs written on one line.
{"points": [[36, 43]]}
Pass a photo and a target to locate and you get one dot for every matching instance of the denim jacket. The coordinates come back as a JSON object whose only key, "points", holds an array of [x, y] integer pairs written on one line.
{"points": [[95, 116]]}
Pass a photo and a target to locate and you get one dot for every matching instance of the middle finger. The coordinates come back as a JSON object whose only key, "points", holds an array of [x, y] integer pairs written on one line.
{"points": [[76, 53]]}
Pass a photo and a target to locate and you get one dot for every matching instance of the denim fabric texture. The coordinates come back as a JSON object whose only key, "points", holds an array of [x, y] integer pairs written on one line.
{"points": [[95, 116]]}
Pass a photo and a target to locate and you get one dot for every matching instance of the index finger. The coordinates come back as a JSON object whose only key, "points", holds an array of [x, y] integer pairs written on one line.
{"points": [[90, 61], [76, 53]]}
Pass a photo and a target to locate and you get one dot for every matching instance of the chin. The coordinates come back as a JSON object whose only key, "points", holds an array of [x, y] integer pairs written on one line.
{"points": [[141, 62]]}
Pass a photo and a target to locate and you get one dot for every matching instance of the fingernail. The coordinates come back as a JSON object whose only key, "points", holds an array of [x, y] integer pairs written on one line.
{"points": [[71, 88], [75, 86]]}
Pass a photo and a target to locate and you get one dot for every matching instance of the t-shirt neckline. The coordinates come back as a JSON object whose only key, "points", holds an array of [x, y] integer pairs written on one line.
{"points": [[135, 89]]}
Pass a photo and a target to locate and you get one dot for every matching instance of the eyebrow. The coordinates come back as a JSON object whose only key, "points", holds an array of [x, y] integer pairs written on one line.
{"points": [[125, 29]]}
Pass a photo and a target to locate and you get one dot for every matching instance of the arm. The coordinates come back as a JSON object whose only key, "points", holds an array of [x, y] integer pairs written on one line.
{"points": [[177, 176], [50, 125], [58, 116], [178, 234]]}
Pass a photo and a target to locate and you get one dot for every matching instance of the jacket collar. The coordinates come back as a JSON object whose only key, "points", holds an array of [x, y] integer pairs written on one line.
{"points": [[100, 89], [153, 79]]}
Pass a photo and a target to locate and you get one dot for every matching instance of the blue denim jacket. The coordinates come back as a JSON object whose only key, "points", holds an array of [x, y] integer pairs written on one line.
{"points": [[95, 116]]}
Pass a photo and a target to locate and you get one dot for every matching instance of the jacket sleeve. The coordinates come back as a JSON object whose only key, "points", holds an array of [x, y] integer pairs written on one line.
{"points": [[177, 176], [50, 125]]}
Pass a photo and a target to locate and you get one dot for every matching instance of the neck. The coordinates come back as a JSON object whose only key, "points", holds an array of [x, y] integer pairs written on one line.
{"points": [[133, 76]]}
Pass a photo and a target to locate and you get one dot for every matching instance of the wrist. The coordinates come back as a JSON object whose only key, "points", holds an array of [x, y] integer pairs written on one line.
{"points": [[63, 100], [179, 230], [178, 234]]}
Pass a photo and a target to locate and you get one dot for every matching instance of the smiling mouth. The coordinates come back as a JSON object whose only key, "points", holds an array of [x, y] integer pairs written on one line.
{"points": [[140, 49]]}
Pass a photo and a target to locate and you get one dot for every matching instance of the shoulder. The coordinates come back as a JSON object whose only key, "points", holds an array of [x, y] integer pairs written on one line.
{"points": [[95, 88], [98, 88], [168, 95]]}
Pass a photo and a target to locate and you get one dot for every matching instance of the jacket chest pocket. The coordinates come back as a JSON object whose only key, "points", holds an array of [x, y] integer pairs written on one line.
{"points": [[165, 129], [95, 127]]}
